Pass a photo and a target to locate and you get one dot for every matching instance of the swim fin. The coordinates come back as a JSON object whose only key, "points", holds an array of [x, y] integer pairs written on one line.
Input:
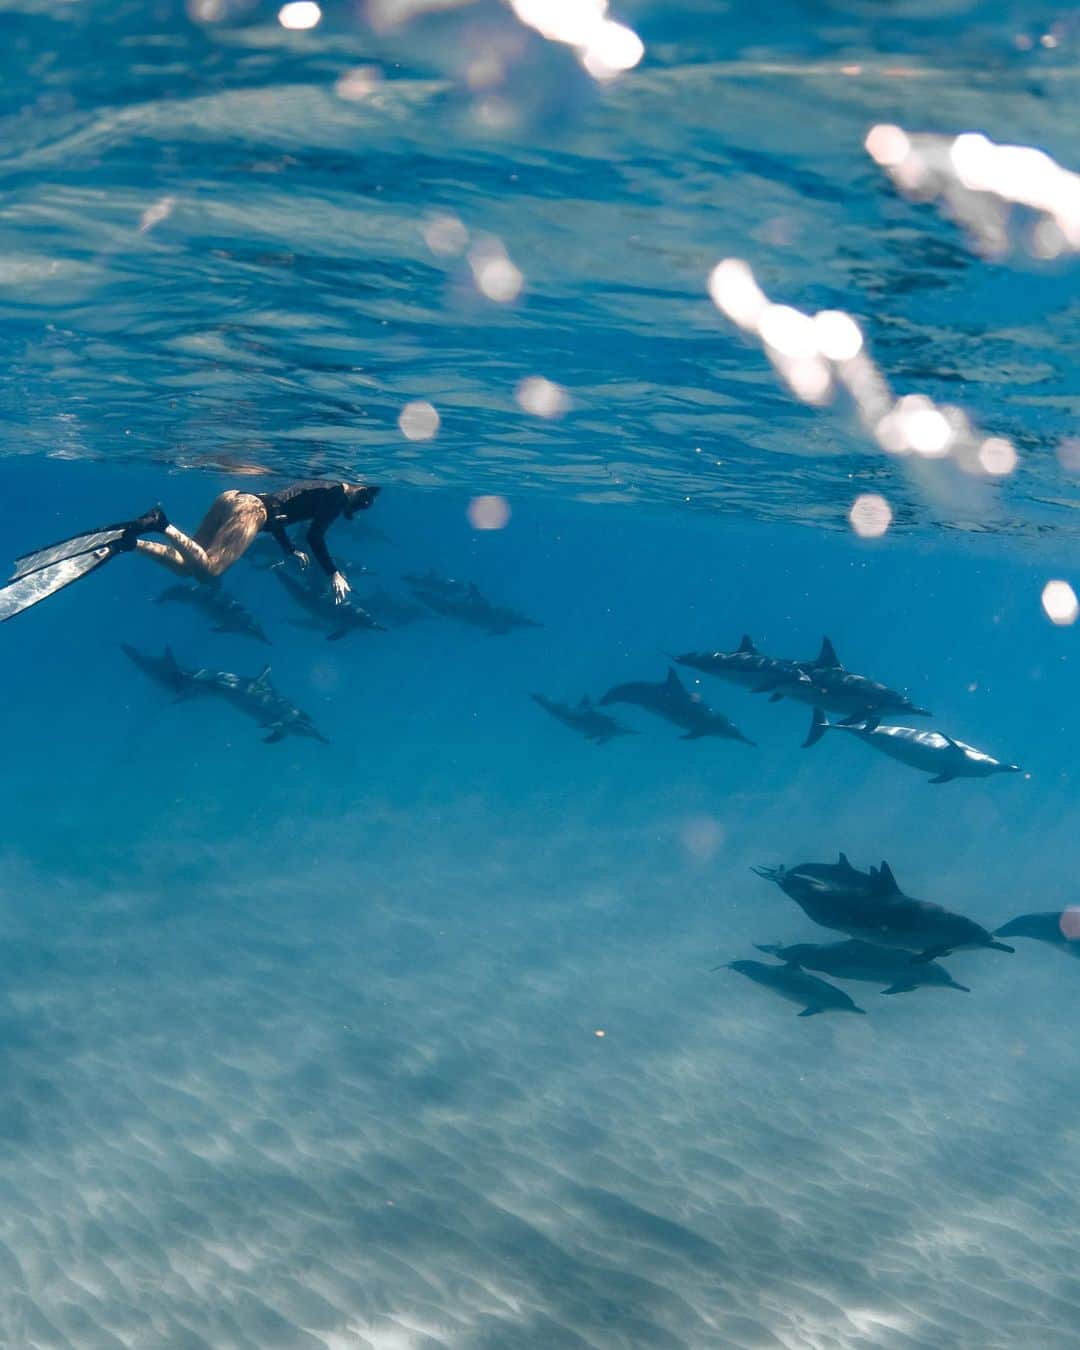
{"points": [[66, 548], [37, 586], [151, 522]]}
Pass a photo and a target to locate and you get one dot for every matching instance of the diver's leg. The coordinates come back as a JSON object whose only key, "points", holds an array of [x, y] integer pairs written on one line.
{"points": [[165, 555]]}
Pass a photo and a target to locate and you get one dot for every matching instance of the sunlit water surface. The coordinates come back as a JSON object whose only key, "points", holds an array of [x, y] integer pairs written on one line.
{"points": [[301, 1044]]}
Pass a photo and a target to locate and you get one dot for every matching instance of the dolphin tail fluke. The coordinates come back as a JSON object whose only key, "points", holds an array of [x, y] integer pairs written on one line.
{"points": [[1000, 946], [819, 725]]}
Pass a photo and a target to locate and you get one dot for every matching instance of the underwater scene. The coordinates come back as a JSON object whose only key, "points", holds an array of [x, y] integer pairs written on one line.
{"points": [[540, 675]]}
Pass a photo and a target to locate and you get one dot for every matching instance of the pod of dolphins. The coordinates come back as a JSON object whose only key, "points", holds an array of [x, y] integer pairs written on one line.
{"points": [[890, 939]]}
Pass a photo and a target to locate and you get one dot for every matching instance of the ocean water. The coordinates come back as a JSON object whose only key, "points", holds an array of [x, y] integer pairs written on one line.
{"points": [[414, 1040]]}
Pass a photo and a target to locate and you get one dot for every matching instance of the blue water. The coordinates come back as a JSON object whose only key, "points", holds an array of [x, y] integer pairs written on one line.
{"points": [[299, 1042]]}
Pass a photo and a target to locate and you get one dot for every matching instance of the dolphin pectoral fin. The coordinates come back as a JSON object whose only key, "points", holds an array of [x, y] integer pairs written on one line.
{"points": [[775, 698], [818, 727], [693, 735], [276, 735], [931, 954], [942, 778], [767, 686], [955, 985], [337, 635], [899, 988], [1000, 946], [811, 1012], [855, 1008]]}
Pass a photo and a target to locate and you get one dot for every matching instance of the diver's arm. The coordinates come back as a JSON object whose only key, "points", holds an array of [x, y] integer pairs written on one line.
{"points": [[285, 543], [316, 537]]}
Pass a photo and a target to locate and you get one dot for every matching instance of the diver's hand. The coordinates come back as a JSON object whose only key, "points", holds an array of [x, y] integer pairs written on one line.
{"points": [[302, 559], [340, 587]]}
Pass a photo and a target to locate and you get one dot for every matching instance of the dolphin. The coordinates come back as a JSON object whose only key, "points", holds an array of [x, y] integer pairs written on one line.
{"points": [[672, 700], [227, 613], [931, 751], [164, 670], [816, 996], [393, 611], [594, 725], [824, 683], [463, 601], [745, 666], [257, 698], [1044, 927], [809, 880], [343, 618], [883, 915], [854, 960]]}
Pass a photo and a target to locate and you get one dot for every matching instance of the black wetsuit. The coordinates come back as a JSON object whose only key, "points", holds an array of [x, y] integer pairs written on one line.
{"points": [[318, 500]]}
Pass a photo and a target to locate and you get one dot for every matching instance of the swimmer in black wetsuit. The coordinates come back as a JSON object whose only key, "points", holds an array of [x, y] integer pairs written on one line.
{"points": [[232, 522]]}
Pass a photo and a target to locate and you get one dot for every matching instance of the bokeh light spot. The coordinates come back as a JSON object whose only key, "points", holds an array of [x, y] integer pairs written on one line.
{"points": [[495, 275], [419, 421], [1060, 603], [887, 145], [299, 15], [446, 235], [1069, 923], [356, 85], [997, 457], [542, 398], [870, 515], [488, 513]]}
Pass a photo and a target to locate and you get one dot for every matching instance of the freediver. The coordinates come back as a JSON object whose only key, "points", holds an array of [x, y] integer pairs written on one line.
{"points": [[233, 521]]}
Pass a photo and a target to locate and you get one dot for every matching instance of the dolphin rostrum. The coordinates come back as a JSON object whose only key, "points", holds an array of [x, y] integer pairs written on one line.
{"points": [[816, 996], [585, 717], [671, 699], [227, 613], [931, 751], [880, 913], [853, 960]]}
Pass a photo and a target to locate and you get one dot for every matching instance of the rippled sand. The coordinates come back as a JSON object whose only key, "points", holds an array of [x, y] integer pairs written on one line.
{"points": [[364, 1105]]}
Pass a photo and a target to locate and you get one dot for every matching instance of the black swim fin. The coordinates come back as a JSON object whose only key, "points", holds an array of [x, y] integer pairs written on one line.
{"points": [[36, 586], [150, 522], [66, 548]]}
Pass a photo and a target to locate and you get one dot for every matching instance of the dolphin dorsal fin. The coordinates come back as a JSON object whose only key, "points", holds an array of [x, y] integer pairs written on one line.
{"points": [[673, 681], [844, 861], [168, 655], [586, 703], [747, 645], [886, 882], [827, 657]]}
